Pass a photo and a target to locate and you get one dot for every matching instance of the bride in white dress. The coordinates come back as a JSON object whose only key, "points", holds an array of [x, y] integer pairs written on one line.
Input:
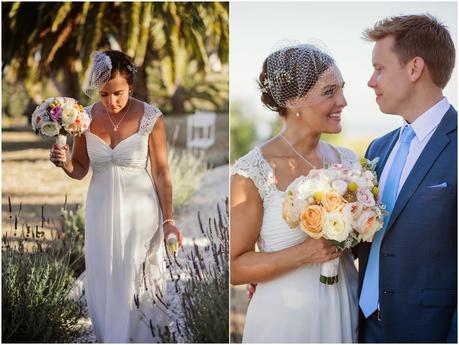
{"points": [[290, 304], [128, 213]]}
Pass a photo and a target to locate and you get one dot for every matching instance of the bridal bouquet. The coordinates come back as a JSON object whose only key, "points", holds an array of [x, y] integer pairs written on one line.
{"points": [[59, 116], [338, 204]]}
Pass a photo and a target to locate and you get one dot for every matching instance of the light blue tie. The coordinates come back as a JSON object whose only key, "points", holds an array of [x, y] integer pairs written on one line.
{"points": [[369, 297]]}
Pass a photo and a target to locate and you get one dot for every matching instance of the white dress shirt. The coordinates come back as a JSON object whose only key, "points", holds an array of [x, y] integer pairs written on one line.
{"points": [[424, 127]]}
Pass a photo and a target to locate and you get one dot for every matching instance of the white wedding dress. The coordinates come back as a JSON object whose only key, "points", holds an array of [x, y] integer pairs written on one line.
{"points": [[123, 238], [296, 307]]}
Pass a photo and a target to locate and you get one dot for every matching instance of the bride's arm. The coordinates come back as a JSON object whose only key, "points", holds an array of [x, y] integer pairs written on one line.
{"points": [[157, 148], [76, 167], [249, 266]]}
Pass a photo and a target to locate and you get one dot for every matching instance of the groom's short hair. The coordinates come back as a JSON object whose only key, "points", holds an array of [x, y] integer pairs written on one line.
{"points": [[419, 35]]}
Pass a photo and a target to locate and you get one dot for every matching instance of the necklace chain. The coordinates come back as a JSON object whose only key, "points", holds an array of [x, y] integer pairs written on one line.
{"points": [[115, 127], [297, 153]]}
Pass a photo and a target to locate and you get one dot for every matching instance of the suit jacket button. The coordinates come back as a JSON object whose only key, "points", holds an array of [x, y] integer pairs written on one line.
{"points": [[387, 292]]}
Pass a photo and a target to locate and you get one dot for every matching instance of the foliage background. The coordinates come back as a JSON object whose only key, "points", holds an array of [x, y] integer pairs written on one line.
{"points": [[180, 50]]}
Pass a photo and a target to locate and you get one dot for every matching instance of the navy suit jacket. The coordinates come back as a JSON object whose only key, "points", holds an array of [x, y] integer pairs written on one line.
{"points": [[418, 258]]}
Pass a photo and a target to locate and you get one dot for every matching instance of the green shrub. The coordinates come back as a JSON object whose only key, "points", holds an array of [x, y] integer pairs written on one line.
{"points": [[187, 169], [36, 280], [35, 307], [72, 240]]}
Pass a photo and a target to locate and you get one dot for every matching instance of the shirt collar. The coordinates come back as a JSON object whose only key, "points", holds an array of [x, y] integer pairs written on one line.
{"points": [[429, 120]]}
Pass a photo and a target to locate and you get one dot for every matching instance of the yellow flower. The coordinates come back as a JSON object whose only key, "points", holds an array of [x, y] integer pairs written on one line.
{"points": [[318, 196], [375, 191], [352, 186]]}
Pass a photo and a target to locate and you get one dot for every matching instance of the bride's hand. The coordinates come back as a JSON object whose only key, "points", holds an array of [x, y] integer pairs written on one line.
{"points": [[170, 228], [58, 154], [317, 251]]}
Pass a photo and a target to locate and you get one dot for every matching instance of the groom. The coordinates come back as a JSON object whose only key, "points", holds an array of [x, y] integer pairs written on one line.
{"points": [[408, 274]]}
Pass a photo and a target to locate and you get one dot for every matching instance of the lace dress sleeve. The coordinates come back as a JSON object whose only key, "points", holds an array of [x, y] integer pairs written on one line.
{"points": [[149, 119], [347, 156], [253, 166]]}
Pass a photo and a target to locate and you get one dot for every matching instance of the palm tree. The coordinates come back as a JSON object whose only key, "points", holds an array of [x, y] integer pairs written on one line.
{"points": [[50, 43]]}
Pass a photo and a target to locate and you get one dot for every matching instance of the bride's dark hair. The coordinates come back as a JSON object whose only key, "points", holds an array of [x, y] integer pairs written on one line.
{"points": [[122, 64]]}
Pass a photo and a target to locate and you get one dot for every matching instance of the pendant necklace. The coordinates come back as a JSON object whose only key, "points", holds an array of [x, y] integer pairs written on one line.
{"points": [[115, 127], [297, 153]]}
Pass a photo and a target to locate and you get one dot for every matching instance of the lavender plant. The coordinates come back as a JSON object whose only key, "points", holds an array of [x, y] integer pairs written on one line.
{"points": [[200, 280], [35, 285]]}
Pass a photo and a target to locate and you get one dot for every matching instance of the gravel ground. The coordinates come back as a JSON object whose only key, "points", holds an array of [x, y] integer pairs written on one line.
{"points": [[213, 189]]}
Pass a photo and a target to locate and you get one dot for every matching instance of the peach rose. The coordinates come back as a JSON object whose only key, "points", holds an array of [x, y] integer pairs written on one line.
{"points": [[311, 220], [332, 201], [353, 210], [367, 224]]}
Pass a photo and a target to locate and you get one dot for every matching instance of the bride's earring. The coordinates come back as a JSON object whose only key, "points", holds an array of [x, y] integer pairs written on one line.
{"points": [[297, 114]]}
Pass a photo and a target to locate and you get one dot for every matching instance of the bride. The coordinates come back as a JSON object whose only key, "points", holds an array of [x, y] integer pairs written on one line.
{"points": [[302, 83], [128, 213]]}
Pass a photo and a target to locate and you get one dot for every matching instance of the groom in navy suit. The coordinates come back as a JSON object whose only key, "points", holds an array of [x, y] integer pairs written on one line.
{"points": [[408, 274]]}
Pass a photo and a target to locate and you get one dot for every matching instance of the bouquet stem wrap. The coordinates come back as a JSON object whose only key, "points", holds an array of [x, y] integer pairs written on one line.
{"points": [[61, 140], [329, 272]]}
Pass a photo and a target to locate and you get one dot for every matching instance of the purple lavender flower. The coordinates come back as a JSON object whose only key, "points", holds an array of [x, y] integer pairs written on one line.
{"points": [[55, 113]]}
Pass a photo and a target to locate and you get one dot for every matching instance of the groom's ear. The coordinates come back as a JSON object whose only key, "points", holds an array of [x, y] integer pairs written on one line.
{"points": [[415, 68]]}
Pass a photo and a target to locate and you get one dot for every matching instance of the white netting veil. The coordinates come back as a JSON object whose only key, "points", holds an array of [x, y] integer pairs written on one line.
{"points": [[293, 69], [98, 73]]}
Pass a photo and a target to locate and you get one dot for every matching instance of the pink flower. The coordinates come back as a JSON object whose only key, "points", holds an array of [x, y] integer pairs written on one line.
{"points": [[365, 197], [55, 113]]}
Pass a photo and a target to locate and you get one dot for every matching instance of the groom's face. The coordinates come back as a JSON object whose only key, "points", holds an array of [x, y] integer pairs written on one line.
{"points": [[390, 80]]}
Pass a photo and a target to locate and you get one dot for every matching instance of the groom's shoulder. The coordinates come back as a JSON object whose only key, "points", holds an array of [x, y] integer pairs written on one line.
{"points": [[388, 137]]}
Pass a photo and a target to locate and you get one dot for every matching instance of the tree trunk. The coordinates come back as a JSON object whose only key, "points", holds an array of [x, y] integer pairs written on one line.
{"points": [[71, 81], [178, 101], [140, 86]]}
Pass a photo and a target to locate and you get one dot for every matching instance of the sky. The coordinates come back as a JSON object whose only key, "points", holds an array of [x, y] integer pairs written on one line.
{"points": [[256, 27]]}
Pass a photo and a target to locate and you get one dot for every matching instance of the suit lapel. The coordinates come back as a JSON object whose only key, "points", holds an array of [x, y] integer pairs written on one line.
{"points": [[434, 147]]}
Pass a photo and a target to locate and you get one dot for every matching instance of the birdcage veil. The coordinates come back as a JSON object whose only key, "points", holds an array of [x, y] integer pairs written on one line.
{"points": [[98, 73], [293, 68]]}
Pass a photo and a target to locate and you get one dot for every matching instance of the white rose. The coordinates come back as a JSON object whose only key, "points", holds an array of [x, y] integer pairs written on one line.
{"points": [[293, 186], [362, 182], [336, 226], [50, 128], [291, 209], [326, 176], [37, 120], [365, 197], [307, 188], [69, 114], [339, 186], [313, 173], [367, 224]]}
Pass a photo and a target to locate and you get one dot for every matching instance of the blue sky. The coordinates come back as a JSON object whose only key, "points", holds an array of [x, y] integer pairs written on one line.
{"points": [[257, 26]]}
